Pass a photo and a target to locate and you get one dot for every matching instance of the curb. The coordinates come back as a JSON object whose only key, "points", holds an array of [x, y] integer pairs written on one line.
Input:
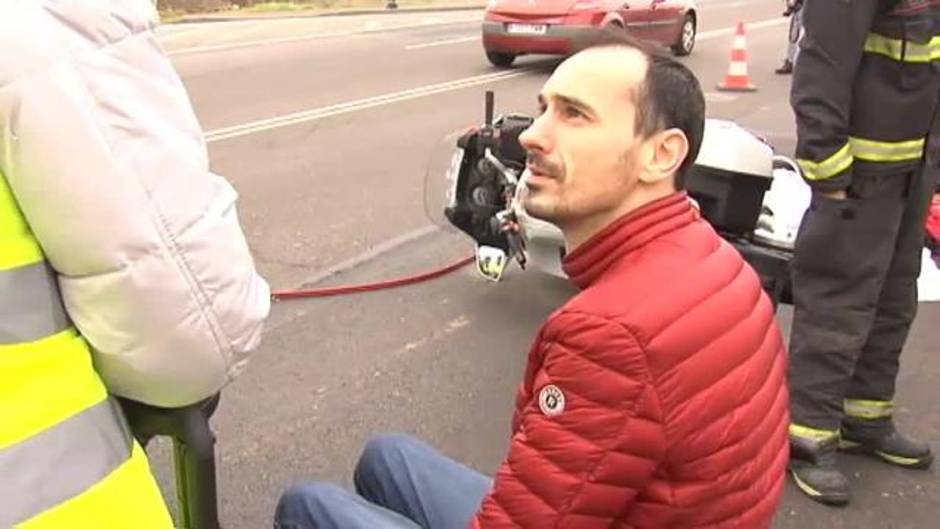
{"points": [[192, 19]]}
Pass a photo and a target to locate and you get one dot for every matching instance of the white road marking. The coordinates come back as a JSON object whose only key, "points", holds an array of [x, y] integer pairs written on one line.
{"points": [[311, 36], [436, 43], [748, 26], [719, 97], [316, 114], [356, 105]]}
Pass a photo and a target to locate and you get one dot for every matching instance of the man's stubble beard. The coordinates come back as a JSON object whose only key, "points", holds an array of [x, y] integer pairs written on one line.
{"points": [[560, 211], [531, 203]]}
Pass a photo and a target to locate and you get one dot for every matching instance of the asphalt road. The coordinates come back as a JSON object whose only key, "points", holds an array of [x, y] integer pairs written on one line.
{"points": [[325, 127]]}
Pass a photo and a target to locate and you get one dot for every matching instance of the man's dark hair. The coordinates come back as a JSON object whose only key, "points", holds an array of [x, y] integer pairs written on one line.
{"points": [[669, 97]]}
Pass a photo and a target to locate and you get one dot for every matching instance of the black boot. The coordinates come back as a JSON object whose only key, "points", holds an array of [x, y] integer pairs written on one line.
{"points": [[813, 466], [786, 68], [879, 438]]}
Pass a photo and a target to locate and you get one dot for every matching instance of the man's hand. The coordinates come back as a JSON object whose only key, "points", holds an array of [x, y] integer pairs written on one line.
{"points": [[835, 195]]}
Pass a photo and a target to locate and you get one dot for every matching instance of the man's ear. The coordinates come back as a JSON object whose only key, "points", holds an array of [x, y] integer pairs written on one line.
{"points": [[664, 153]]}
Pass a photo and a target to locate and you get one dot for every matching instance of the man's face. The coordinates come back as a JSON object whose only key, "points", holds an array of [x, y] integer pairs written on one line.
{"points": [[582, 148]]}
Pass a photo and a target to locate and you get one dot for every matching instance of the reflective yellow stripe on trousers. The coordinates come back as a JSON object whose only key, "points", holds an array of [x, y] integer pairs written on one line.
{"points": [[868, 409], [66, 456], [805, 432]]}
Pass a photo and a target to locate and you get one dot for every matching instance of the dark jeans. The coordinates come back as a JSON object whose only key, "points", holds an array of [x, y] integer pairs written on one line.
{"points": [[400, 483]]}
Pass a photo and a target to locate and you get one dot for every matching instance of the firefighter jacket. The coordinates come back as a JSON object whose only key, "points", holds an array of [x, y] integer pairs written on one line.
{"points": [[866, 88]]}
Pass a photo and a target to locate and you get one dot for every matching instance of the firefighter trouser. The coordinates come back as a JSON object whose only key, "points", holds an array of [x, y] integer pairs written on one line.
{"points": [[854, 275]]}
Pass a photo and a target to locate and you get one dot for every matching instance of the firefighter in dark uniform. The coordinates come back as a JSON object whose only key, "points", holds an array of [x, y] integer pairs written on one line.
{"points": [[866, 94]]}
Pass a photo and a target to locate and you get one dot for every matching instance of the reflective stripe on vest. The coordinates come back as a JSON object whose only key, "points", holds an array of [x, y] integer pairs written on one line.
{"points": [[81, 450], [26, 315], [903, 51], [865, 150], [66, 456]]}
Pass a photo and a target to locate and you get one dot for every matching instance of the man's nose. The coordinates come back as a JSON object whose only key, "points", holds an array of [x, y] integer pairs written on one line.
{"points": [[535, 138]]}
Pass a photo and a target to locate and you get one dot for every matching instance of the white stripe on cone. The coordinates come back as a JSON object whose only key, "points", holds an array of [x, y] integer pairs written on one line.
{"points": [[738, 69]]}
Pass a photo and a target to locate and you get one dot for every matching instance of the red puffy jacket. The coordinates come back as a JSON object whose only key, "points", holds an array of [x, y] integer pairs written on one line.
{"points": [[656, 397], [933, 221]]}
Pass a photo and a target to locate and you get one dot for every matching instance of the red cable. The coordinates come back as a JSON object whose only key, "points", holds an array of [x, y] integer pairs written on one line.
{"points": [[280, 295]]}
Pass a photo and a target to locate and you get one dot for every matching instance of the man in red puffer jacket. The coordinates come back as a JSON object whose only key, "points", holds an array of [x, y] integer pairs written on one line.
{"points": [[655, 398], [933, 225]]}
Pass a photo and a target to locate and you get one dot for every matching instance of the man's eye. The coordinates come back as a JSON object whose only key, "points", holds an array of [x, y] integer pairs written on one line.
{"points": [[572, 113]]}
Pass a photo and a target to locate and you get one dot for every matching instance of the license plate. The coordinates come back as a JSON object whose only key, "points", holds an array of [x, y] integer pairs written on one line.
{"points": [[527, 29]]}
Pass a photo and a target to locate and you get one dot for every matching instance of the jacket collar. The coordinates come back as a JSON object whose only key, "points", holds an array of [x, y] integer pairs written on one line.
{"points": [[628, 233]]}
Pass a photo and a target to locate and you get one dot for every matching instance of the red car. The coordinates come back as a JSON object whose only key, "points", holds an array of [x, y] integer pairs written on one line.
{"points": [[558, 27]]}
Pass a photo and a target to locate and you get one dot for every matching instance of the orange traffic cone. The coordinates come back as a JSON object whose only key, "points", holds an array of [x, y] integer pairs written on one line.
{"points": [[737, 79]]}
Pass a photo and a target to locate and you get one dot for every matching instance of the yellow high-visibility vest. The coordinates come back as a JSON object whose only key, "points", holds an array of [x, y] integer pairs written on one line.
{"points": [[67, 457]]}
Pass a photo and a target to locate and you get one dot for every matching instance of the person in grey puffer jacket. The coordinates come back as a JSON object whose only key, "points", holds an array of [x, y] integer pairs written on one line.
{"points": [[123, 268]]}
